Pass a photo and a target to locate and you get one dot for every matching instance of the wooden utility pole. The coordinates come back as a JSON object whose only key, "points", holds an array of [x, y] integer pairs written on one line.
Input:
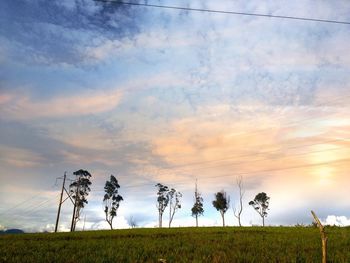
{"points": [[60, 204], [323, 237]]}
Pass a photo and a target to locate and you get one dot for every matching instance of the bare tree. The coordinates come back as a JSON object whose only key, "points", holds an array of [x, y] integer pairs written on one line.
{"points": [[174, 203], [132, 221], [238, 211], [162, 201]]}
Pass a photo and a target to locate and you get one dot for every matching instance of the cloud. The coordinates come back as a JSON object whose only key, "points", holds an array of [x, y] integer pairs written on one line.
{"points": [[187, 222], [157, 39], [15, 106], [67, 25], [21, 158], [119, 223], [5, 98], [337, 220]]}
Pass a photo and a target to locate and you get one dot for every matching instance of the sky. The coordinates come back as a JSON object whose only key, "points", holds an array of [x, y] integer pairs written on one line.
{"points": [[155, 95]]}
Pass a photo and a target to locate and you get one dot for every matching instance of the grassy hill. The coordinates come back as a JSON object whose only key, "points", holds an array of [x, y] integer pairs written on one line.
{"points": [[214, 244]]}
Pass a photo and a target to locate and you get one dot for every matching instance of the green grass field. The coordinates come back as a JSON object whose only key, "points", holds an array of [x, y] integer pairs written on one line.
{"points": [[215, 244]]}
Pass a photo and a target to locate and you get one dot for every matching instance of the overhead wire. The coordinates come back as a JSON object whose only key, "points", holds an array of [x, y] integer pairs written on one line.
{"points": [[181, 8], [240, 163], [33, 208], [177, 183]]}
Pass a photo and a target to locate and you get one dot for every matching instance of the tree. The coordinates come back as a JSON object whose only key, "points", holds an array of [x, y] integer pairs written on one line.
{"points": [[111, 199], [197, 209], [79, 190], [238, 211], [222, 204], [132, 221], [162, 200], [174, 203], [261, 205]]}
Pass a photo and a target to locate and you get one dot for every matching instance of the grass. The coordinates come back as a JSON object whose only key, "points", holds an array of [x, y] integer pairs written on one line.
{"points": [[214, 244]]}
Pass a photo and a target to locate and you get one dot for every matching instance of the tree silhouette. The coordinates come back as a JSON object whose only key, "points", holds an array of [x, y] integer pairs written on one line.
{"points": [[111, 199], [197, 209], [174, 203], [162, 200], [261, 205], [79, 190], [132, 221], [222, 204]]}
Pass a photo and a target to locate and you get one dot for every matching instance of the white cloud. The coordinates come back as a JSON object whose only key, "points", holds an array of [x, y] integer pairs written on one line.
{"points": [[119, 223], [337, 220]]}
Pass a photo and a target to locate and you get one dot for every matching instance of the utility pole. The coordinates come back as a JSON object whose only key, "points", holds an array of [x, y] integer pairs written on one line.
{"points": [[59, 206]]}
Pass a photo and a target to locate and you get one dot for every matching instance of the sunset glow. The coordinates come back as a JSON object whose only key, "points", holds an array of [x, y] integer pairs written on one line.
{"points": [[163, 96]]}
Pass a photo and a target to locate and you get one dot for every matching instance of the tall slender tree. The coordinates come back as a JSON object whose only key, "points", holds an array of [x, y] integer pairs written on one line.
{"points": [[111, 199], [79, 190], [197, 209], [222, 204], [162, 201], [238, 211], [174, 203], [261, 205]]}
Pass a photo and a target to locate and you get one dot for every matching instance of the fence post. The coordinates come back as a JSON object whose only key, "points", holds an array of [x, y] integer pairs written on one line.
{"points": [[323, 237]]}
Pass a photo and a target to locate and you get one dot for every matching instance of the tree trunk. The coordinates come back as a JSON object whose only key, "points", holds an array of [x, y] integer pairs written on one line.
{"points": [[263, 218], [111, 224], [223, 219], [160, 220], [170, 217], [196, 220], [73, 217]]}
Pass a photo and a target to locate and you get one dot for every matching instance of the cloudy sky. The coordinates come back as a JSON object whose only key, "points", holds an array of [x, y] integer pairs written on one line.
{"points": [[156, 95]]}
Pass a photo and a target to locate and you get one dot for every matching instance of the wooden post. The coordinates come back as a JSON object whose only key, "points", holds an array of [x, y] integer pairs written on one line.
{"points": [[60, 204], [323, 237]]}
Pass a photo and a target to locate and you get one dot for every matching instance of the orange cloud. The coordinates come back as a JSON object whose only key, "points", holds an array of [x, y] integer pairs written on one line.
{"points": [[216, 148], [23, 107]]}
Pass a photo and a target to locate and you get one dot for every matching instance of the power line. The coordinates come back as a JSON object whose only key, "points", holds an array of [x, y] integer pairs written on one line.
{"points": [[30, 210], [248, 173], [38, 207], [255, 160], [21, 203], [280, 169], [288, 124], [227, 12], [260, 153]]}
